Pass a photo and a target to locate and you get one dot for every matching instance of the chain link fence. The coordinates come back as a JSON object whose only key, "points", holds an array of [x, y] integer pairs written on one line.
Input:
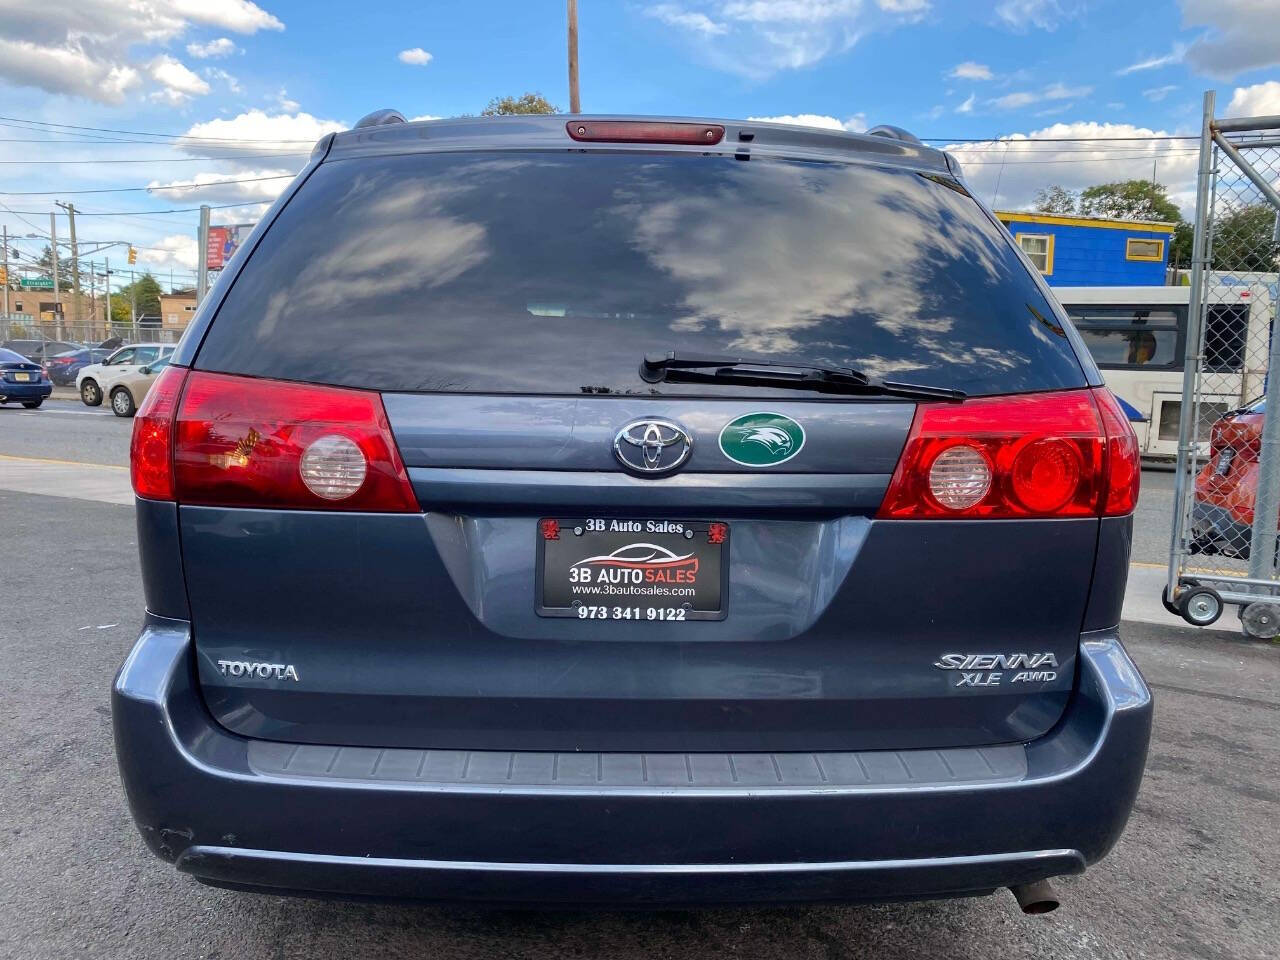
{"points": [[1223, 550], [52, 335]]}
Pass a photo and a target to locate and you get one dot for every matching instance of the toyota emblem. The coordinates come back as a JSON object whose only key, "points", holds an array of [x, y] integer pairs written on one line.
{"points": [[652, 446]]}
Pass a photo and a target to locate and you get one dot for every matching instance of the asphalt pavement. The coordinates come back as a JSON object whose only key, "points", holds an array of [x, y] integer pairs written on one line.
{"points": [[1196, 875]]}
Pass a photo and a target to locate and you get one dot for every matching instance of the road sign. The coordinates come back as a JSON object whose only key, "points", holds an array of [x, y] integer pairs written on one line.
{"points": [[35, 283]]}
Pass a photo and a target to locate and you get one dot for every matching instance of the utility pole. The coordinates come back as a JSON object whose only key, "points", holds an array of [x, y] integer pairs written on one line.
{"points": [[575, 103], [93, 293], [202, 243], [6, 272], [53, 246], [108, 286], [75, 261], [133, 300]]}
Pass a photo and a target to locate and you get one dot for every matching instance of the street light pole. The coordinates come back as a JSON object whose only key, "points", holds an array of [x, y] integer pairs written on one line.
{"points": [[108, 286]]}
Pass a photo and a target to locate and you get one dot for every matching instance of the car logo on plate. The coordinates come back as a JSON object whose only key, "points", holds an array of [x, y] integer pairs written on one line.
{"points": [[652, 446], [761, 439]]}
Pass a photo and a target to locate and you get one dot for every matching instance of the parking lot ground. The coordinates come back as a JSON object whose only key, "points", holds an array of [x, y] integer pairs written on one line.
{"points": [[1196, 875]]}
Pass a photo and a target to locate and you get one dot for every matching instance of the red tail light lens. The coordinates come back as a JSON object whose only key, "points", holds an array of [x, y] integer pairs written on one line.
{"points": [[1036, 455], [263, 443], [151, 449], [643, 131], [1124, 463]]}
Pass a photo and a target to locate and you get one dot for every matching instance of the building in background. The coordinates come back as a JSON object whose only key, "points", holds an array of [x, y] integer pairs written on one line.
{"points": [[1076, 251], [177, 309]]}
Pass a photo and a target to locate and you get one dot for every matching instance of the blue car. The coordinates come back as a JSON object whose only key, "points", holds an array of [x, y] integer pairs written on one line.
{"points": [[22, 381], [631, 512], [63, 367]]}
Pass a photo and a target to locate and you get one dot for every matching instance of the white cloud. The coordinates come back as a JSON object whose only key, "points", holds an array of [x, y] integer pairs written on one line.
{"points": [[176, 251], [1259, 100], [66, 70], [1024, 98], [855, 124], [756, 38], [673, 16], [179, 83], [1153, 63], [425, 116], [414, 56], [970, 71], [1156, 94], [1024, 163], [214, 49], [238, 15], [286, 103], [1244, 35], [967, 106], [240, 186], [217, 74], [256, 131], [1024, 14], [101, 49]]}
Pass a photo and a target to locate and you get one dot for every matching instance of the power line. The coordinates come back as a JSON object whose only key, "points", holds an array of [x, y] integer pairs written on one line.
{"points": [[145, 133], [230, 156], [158, 186], [142, 213]]}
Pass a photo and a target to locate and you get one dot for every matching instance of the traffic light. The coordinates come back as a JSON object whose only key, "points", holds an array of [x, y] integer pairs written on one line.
{"points": [[4, 275], [133, 255]]}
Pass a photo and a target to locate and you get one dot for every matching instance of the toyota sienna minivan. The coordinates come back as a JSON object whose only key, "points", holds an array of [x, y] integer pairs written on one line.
{"points": [[597, 510]]}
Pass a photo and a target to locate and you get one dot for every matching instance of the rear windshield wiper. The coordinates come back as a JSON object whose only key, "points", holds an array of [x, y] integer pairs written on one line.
{"points": [[687, 368]]}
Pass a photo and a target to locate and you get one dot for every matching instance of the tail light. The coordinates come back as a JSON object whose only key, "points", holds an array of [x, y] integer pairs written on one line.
{"points": [[1066, 454], [151, 449], [244, 442]]}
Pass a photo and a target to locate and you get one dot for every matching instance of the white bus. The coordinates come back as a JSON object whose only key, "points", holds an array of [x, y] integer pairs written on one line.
{"points": [[1138, 337]]}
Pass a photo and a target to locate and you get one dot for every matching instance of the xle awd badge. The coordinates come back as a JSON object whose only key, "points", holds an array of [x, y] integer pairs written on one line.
{"points": [[761, 439]]}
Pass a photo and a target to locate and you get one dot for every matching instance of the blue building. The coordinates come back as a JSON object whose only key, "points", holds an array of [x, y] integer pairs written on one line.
{"points": [[1090, 251]]}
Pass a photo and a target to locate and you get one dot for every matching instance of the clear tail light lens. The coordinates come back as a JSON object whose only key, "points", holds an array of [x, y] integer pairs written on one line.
{"points": [[1063, 454]]}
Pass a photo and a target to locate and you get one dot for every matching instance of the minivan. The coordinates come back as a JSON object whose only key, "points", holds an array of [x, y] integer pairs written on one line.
{"points": [[631, 511]]}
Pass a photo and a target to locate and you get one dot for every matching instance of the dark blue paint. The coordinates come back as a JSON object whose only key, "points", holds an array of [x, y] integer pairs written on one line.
{"points": [[199, 804]]}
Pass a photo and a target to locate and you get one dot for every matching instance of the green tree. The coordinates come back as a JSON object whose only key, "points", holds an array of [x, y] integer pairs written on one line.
{"points": [[45, 264], [142, 296], [529, 103], [1180, 248], [1245, 239], [1056, 199], [1129, 200]]}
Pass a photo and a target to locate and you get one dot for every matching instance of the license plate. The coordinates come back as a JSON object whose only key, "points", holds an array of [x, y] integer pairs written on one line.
{"points": [[1224, 461], [22, 377], [595, 568]]}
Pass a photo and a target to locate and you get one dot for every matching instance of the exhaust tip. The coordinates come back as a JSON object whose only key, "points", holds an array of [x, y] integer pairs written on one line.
{"points": [[1036, 898]]}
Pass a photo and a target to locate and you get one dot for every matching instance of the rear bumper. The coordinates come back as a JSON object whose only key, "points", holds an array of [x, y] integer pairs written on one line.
{"points": [[253, 814], [25, 391]]}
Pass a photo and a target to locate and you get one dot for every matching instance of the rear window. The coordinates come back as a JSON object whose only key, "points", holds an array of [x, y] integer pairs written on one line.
{"points": [[554, 274]]}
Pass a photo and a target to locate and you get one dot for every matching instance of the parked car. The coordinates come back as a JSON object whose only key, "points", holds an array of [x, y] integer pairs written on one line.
{"points": [[671, 528], [128, 391], [62, 368], [95, 380], [22, 380], [1222, 514], [40, 350]]}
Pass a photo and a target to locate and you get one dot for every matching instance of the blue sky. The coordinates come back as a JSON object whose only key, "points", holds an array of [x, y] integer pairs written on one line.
{"points": [[266, 79]]}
